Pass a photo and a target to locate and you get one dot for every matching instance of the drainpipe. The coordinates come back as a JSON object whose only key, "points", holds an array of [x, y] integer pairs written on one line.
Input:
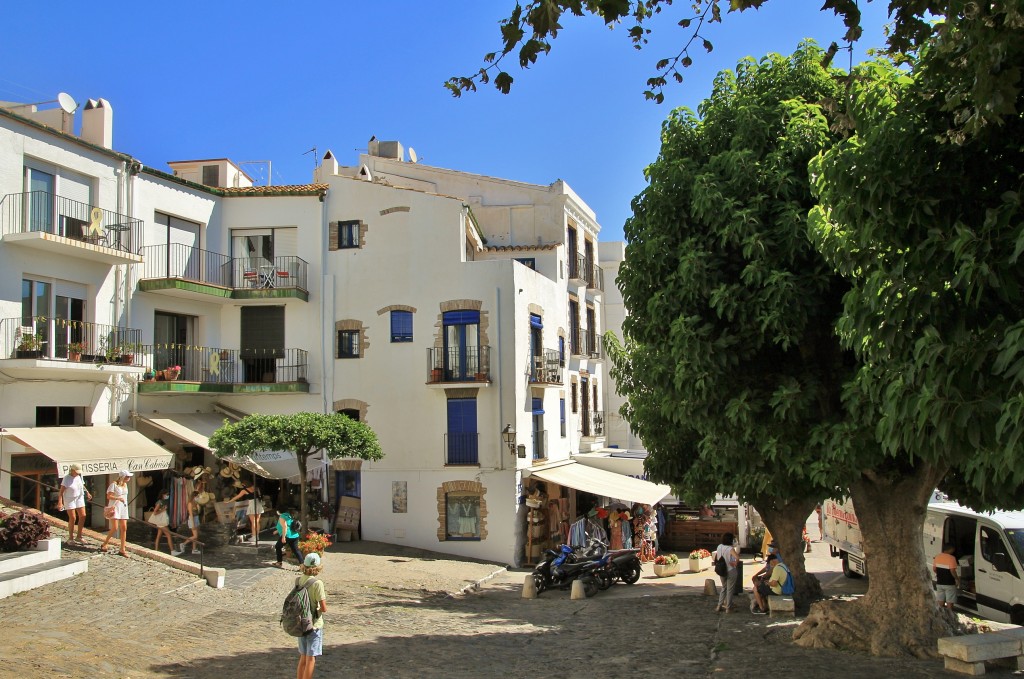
{"points": [[324, 280], [501, 383]]}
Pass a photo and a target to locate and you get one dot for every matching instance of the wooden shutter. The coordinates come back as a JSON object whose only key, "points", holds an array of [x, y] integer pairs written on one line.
{"points": [[262, 330]]}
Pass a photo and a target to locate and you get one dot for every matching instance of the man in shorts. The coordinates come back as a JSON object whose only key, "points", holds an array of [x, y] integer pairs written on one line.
{"points": [[72, 497], [947, 577], [311, 645]]}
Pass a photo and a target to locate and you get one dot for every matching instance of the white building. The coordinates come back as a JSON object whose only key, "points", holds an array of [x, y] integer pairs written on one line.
{"points": [[440, 307]]}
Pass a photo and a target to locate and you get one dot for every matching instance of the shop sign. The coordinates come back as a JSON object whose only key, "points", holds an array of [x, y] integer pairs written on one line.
{"points": [[114, 465]]}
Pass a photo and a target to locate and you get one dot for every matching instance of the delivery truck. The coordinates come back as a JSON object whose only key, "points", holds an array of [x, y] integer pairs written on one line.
{"points": [[988, 546]]}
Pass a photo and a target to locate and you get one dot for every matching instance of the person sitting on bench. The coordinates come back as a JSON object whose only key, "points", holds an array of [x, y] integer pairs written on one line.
{"points": [[769, 585]]}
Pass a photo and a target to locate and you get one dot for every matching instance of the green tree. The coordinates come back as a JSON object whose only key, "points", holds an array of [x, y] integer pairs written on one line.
{"points": [[731, 367], [928, 229], [301, 433], [982, 39]]}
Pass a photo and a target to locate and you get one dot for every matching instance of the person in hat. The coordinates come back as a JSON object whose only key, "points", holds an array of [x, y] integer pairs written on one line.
{"points": [[254, 510], [72, 497], [772, 586], [312, 644], [193, 524], [117, 510]]}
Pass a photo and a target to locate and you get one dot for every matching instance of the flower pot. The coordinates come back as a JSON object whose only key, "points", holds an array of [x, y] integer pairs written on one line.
{"points": [[27, 353], [435, 375], [666, 570], [697, 564], [74, 356], [127, 359], [171, 374]]}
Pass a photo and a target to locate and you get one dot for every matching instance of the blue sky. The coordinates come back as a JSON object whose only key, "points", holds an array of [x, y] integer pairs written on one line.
{"points": [[194, 80]]}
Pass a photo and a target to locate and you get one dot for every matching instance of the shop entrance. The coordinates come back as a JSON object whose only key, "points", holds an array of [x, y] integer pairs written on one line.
{"points": [[34, 474]]}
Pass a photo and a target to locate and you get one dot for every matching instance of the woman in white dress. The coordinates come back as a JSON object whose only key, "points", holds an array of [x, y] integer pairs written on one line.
{"points": [[117, 504]]}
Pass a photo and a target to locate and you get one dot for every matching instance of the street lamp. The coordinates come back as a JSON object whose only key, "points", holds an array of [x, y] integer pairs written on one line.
{"points": [[508, 435]]}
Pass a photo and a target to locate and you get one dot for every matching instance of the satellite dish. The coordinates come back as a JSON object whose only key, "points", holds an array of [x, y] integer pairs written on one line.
{"points": [[67, 102], [412, 155]]}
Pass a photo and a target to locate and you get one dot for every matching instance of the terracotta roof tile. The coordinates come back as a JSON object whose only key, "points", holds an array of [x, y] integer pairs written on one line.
{"points": [[282, 190]]}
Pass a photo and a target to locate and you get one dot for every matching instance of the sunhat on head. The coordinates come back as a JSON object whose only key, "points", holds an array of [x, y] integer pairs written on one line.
{"points": [[124, 473], [312, 560], [74, 468]]}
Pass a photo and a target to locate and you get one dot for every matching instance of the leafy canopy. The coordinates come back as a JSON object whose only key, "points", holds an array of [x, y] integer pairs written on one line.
{"points": [[929, 234], [731, 367], [982, 38], [301, 433]]}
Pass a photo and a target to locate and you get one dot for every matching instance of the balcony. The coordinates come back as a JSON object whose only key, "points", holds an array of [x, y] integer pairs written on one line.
{"points": [[595, 278], [592, 424], [540, 444], [593, 345], [450, 365], [577, 268], [185, 271], [461, 449], [547, 369], [43, 346], [213, 370], [55, 224]]}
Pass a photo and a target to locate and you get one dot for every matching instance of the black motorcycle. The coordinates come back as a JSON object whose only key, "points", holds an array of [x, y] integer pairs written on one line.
{"points": [[625, 565], [560, 567]]}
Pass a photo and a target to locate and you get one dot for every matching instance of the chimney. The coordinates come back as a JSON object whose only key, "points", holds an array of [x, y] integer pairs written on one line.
{"points": [[98, 123], [329, 166]]}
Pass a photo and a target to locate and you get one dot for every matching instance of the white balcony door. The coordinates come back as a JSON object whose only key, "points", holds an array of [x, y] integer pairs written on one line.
{"points": [[42, 187]]}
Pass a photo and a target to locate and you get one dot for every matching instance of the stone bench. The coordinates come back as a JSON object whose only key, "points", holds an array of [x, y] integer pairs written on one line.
{"points": [[781, 605], [967, 654]]}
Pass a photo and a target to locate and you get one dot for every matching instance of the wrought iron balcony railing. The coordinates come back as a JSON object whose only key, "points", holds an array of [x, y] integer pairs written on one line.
{"points": [[459, 364], [49, 213], [576, 339], [592, 423], [204, 266], [547, 368], [213, 365], [461, 448], [63, 339], [593, 346]]}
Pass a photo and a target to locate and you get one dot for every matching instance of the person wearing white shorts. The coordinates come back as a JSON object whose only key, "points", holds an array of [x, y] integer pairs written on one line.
{"points": [[253, 510], [72, 497]]}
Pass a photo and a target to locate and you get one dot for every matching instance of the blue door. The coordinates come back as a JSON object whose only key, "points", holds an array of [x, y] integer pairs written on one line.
{"points": [[463, 441]]}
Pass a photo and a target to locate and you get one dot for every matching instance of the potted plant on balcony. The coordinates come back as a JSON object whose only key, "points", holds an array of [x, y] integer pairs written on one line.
{"points": [[75, 351], [172, 372], [127, 352], [29, 346], [666, 565]]}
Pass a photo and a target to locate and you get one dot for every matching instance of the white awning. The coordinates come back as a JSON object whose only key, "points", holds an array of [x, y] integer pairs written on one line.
{"points": [[602, 483], [197, 428], [96, 450], [194, 428]]}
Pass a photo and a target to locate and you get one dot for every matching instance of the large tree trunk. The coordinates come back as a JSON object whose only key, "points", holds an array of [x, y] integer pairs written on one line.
{"points": [[898, 616], [786, 523]]}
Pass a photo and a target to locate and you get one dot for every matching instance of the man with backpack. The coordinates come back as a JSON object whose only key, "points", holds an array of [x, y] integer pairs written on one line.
{"points": [[779, 583], [303, 612], [287, 534]]}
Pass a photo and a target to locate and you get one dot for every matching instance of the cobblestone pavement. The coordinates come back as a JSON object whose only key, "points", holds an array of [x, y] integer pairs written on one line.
{"points": [[392, 613]]}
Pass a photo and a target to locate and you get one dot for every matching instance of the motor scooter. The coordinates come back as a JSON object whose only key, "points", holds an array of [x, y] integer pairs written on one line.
{"points": [[560, 567]]}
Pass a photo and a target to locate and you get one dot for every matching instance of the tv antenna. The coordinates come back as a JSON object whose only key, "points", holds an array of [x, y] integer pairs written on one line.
{"points": [[316, 158], [260, 162]]}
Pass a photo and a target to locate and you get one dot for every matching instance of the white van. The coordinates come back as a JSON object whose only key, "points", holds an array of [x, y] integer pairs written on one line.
{"points": [[990, 550]]}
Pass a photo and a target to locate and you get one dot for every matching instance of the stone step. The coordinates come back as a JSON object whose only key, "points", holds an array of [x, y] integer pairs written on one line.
{"points": [[47, 550], [30, 577]]}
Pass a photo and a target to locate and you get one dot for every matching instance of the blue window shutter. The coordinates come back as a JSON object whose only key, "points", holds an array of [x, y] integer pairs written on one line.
{"points": [[401, 326], [561, 350], [463, 317], [538, 406], [535, 321]]}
